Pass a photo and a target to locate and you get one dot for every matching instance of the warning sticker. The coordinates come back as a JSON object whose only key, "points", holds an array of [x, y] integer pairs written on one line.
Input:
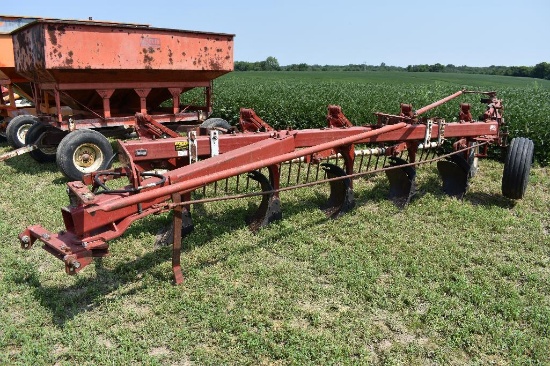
{"points": [[181, 145]]}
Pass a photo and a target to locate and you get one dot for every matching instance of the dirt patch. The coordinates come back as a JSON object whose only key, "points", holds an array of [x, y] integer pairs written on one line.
{"points": [[394, 332], [159, 351], [105, 342], [59, 350]]}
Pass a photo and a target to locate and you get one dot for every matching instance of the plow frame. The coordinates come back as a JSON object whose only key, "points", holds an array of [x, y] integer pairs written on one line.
{"points": [[97, 214]]}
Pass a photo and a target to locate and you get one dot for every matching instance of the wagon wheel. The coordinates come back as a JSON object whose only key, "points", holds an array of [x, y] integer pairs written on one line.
{"points": [[83, 151], [517, 167], [216, 123], [35, 136], [17, 129]]}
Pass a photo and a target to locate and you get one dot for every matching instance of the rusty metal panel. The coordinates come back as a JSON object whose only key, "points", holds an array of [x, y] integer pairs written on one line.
{"points": [[7, 63], [83, 52]]}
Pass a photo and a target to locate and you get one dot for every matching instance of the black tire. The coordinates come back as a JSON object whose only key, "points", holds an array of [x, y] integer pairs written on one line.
{"points": [[517, 167], [18, 128], [83, 151], [2, 132], [35, 136], [216, 123]]}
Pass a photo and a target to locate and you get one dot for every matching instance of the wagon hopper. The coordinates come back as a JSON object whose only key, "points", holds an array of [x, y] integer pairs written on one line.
{"points": [[108, 72], [98, 214], [18, 109]]}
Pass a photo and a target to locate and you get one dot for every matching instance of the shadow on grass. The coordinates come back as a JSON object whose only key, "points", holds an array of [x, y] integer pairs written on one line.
{"points": [[27, 165], [485, 199], [433, 186], [67, 302], [88, 293]]}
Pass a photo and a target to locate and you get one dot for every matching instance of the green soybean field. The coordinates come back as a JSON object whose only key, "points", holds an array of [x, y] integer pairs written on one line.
{"points": [[300, 99]]}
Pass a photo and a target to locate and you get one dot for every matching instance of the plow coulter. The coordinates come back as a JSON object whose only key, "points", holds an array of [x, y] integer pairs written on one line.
{"points": [[218, 163]]}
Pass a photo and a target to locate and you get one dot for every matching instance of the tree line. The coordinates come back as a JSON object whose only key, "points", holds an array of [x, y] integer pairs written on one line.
{"points": [[539, 71]]}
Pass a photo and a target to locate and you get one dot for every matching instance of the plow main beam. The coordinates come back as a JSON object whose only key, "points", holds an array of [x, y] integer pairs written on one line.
{"points": [[141, 152]]}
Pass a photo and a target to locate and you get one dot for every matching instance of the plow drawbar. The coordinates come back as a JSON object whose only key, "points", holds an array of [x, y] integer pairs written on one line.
{"points": [[98, 214]]}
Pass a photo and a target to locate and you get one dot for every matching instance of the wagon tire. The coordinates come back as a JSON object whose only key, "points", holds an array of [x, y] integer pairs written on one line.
{"points": [[34, 136], [83, 151], [17, 129], [216, 123], [517, 167], [2, 132]]}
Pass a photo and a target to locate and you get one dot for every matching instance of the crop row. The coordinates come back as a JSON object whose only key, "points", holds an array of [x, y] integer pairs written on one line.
{"points": [[301, 102]]}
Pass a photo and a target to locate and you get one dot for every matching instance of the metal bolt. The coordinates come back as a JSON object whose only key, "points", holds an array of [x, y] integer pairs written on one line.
{"points": [[45, 237], [25, 240], [76, 264]]}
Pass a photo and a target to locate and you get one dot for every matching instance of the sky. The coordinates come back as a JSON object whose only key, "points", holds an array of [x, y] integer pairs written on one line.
{"points": [[340, 32]]}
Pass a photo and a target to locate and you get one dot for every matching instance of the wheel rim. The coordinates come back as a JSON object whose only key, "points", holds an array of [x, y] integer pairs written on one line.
{"points": [[46, 149], [88, 158], [22, 132]]}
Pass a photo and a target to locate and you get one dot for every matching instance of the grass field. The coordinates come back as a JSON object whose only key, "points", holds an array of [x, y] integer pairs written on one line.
{"points": [[441, 282]]}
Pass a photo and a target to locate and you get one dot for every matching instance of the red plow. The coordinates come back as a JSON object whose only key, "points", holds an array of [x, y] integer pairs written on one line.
{"points": [[164, 173]]}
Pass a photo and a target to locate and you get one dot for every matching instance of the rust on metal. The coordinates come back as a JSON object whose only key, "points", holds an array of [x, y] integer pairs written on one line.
{"points": [[17, 152], [81, 52], [110, 71]]}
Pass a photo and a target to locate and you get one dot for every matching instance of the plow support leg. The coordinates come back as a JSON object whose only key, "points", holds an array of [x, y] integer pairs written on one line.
{"points": [[402, 182], [270, 207], [341, 199], [182, 225]]}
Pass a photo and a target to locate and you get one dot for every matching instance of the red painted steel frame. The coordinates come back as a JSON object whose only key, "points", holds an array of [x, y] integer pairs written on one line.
{"points": [[92, 220], [97, 219], [146, 153]]}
